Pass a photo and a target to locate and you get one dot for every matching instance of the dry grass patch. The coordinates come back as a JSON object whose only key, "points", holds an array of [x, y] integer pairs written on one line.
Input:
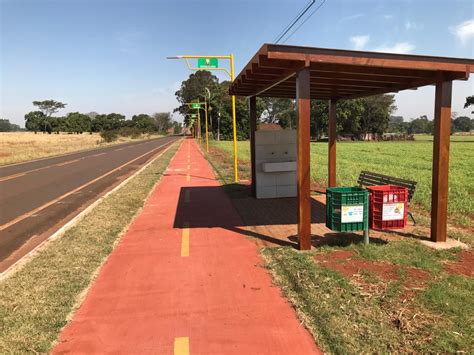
{"points": [[17, 147], [35, 301]]}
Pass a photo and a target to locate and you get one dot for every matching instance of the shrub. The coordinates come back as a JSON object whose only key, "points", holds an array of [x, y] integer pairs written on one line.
{"points": [[109, 136]]}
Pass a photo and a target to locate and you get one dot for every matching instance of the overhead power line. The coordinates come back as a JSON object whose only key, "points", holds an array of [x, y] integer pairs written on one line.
{"points": [[293, 22], [304, 21]]}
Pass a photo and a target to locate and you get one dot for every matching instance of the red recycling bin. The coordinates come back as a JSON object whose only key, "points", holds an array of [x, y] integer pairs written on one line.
{"points": [[388, 206]]}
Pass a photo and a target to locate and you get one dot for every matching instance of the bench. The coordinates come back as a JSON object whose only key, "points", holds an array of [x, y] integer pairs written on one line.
{"points": [[367, 178]]}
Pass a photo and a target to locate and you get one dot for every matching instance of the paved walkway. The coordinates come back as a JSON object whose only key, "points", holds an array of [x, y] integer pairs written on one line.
{"points": [[184, 281]]}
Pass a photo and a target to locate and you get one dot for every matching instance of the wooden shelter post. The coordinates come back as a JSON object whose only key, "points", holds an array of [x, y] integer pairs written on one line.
{"points": [[303, 100], [253, 128], [442, 133], [332, 134]]}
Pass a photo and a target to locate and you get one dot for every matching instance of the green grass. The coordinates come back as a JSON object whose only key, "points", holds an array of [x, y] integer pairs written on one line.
{"points": [[409, 160], [408, 253], [346, 319], [35, 301], [451, 297], [454, 138]]}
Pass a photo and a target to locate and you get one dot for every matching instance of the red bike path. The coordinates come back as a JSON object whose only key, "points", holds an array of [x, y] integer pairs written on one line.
{"points": [[182, 281]]}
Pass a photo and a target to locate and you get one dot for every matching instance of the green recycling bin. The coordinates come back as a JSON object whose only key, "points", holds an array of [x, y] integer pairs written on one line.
{"points": [[347, 209]]}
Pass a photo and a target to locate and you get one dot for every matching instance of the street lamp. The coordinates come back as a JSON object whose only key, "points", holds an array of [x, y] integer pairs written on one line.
{"points": [[211, 63]]}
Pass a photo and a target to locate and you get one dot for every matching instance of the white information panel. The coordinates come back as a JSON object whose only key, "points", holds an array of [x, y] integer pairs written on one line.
{"points": [[393, 211], [352, 214]]}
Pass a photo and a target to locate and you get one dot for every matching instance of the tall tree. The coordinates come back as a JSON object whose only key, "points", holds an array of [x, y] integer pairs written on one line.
{"points": [[377, 112], [6, 126], [162, 121], [34, 120], [78, 123], [469, 102], [348, 117], [143, 122], [420, 125], [462, 124], [49, 107], [109, 122], [194, 88], [279, 110]]}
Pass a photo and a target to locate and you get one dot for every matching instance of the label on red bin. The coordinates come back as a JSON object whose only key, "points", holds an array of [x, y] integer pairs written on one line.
{"points": [[393, 211], [352, 214]]}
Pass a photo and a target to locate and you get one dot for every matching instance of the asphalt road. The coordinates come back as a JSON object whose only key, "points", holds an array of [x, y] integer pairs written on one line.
{"points": [[38, 197]]}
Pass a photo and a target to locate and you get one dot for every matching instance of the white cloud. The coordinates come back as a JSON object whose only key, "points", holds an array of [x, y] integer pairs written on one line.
{"points": [[359, 42], [387, 17], [351, 17], [463, 31], [409, 25], [399, 47], [129, 41]]}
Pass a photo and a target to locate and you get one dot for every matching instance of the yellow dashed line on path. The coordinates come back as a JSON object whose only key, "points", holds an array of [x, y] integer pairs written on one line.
{"points": [[188, 177], [185, 240], [181, 346], [189, 166]]}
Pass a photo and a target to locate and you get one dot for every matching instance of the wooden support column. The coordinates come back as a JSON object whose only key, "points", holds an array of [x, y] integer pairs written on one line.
{"points": [[303, 110], [253, 128], [442, 132], [332, 134]]}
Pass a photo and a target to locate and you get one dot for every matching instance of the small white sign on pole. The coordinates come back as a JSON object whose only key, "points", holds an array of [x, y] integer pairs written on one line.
{"points": [[352, 214]]}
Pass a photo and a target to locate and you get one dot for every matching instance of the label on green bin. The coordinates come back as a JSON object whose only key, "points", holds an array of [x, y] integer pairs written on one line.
{"points": [[352, 214]]}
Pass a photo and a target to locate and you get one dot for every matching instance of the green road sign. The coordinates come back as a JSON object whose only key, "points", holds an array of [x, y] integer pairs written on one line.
{"points": [[195, 105], [207, 63], [193, 116]]}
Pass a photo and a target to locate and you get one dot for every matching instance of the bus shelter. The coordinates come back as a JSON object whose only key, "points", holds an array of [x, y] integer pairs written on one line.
{"points": [[305, 73]]}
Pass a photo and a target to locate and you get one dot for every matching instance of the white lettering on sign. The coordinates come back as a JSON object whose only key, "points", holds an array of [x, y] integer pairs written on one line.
{"points": [[352, 214], [393, 211]]}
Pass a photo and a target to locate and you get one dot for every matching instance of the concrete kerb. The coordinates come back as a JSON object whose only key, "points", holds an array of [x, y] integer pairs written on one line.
{"points": [[18, 265]]}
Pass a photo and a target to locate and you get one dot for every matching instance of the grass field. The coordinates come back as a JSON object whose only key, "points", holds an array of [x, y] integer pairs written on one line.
{"points": [[37, 300], [17, 147], [387, 297], [399, 297], [409, 160]]}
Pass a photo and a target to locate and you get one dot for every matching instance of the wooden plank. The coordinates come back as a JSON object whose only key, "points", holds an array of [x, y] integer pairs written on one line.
{"points": [[303, 108], [253, 128], [442, 132], [332, 134], [372, 59]]}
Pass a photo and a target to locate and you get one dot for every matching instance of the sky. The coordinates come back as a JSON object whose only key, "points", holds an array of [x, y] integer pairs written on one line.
{"points": [[109, 55]]}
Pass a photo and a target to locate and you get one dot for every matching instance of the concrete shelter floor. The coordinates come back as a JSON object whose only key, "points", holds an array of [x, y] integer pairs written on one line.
{"points": [[273, 222]]}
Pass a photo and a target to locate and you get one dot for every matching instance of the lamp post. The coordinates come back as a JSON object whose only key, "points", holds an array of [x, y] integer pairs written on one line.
{"points": [[205, 110], [208, 62]]}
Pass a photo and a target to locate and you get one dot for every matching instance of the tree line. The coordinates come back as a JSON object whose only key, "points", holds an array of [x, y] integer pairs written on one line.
{"points": [[6, 126], [424, 125], [42, 120], [362, 118]]}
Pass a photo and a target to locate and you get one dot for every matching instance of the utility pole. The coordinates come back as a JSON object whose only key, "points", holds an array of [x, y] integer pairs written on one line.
{"points": [[218, 126]]}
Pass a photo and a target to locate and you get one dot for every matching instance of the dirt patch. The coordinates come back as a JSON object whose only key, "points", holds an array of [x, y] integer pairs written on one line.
{"points": [[464, 266], [370, 275], [349, 265]]}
